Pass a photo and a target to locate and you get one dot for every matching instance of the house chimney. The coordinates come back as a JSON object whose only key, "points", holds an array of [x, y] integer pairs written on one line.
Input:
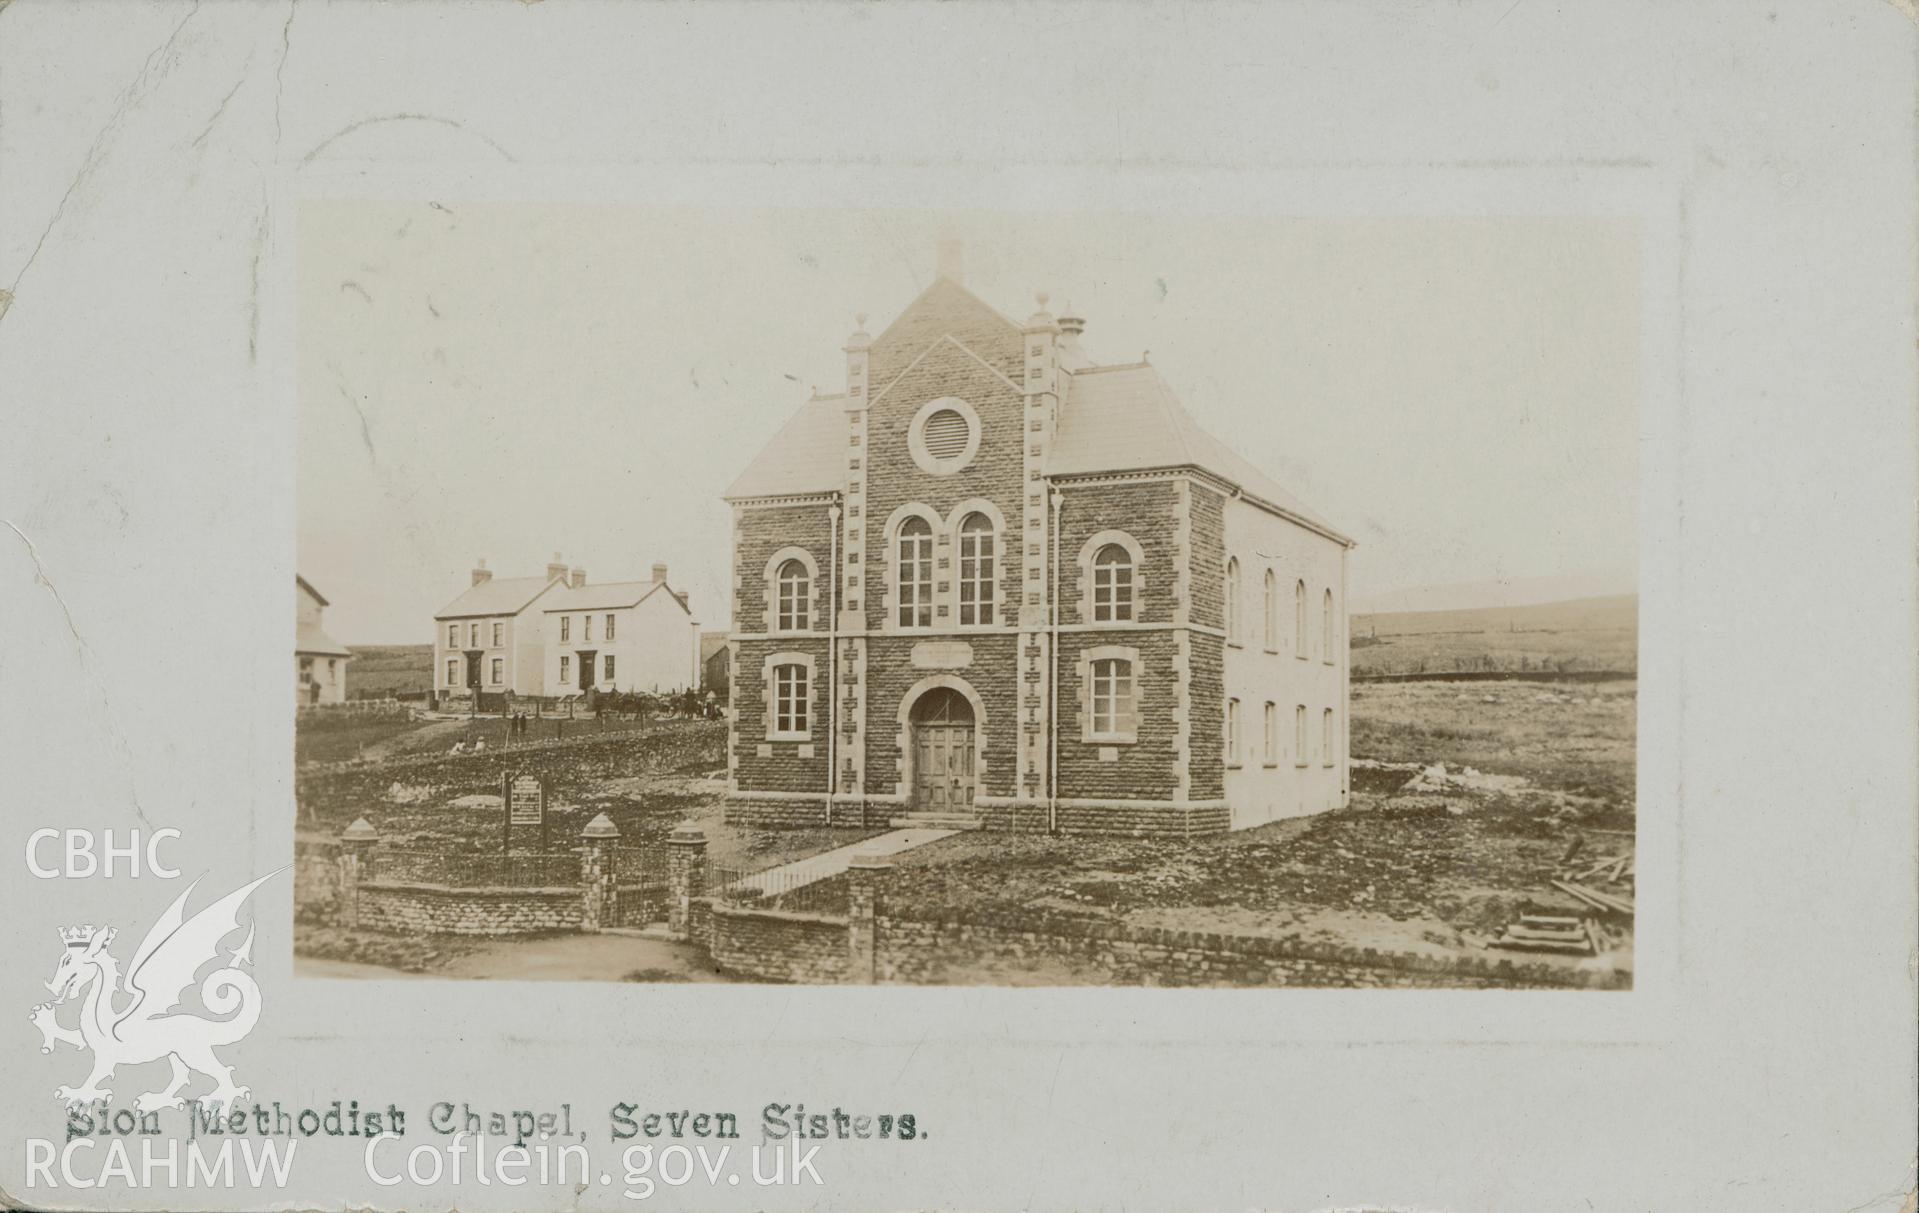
{"points": [[659, 573], [481, 572], [577, 579], [1071, 325], [556, 569], [952, 266]]}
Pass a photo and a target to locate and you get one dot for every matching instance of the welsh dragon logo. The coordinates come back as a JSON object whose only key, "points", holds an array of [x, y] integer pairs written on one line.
{"points": [[140, 1019]]}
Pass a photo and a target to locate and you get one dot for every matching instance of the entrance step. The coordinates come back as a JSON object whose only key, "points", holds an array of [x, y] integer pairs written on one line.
{"points": [[936, 821]]}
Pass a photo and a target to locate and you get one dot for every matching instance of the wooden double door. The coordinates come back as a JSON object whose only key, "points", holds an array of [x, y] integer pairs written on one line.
{"points": [[944, 767]]}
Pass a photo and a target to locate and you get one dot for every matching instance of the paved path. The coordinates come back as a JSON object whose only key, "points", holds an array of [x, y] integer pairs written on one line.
{"points": [[802, 872]]}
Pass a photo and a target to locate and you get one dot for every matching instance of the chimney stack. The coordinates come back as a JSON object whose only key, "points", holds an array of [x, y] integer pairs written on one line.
{"points": [[577, 579], [952, 262], [659, 574], [556, 569], [481, 572]]}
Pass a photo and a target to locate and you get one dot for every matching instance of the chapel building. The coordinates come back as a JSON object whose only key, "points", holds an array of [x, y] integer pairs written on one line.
{"points": [[994, 583]]}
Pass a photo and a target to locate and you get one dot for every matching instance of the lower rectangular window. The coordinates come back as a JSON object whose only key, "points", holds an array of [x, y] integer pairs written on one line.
{"points": [[789, 699], [608, 676], [497, 673]]}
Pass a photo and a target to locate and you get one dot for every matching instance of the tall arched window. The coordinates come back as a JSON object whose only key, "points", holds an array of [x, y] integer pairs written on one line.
{"points": [[1232, 599], [915, 573], [1112, 585], [1299, 619], [1272, 612], [796, 597], [1326, 626], [977, 570]]}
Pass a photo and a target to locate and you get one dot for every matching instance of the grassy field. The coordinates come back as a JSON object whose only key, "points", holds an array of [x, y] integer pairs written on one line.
{"points": [[379, 670], [1587, 634], [333, 737]]}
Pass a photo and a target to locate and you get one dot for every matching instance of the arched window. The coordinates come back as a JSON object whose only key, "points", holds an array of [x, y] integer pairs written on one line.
{"points": [[1272, 733], [1232, 600], [977, 570], [1299, 619], [915, 573], [795, 588], [1272, 612], [1299, 735], [1232, 732], [1112, 585], [1326, 626], [1326, 737]]}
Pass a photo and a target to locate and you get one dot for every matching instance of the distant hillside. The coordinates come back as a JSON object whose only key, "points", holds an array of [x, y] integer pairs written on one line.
{"points": [[378, 670], [1589, 634]]}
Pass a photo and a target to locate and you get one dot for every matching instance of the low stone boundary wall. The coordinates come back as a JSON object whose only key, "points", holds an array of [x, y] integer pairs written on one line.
{"points": [[776, 945], [918, 950], [437, 909]]}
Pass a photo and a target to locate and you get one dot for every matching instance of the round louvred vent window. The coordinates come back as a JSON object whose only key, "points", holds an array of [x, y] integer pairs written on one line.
{"points": [[945, 436]]}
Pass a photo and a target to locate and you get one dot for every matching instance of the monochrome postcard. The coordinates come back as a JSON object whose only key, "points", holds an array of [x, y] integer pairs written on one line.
{"points": [[963, 606]]}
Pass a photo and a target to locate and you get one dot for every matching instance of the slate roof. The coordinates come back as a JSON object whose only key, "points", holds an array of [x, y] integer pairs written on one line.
{"points": [[312, 641], [497, 596], [1126, 418], [1113, 419], [607, 596]]}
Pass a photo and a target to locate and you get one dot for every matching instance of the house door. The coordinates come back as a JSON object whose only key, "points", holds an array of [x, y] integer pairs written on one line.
{"points": [[473, 669], [943, 758], [586, 658]]}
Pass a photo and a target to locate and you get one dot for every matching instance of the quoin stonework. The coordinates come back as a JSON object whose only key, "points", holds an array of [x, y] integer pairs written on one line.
{"points": [[995, 583]]}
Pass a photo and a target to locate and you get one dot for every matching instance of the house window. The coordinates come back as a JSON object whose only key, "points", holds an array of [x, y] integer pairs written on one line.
{"points": [[566, 667], [789, 699], [607, 675], [1272, 733], [609, 631], [472, 635], [1299, 619], [452, 673], [452, 635], [1113, 702], [1112, 585], [586, 629], [499, 630], [977, 570], [1326, 626], [1232, 601], [498, 671], [1232, 732], [1299, 736], [1326, 737], [566, 628], [915, 574], [796, 597], [332, 669], [1272, 612]]}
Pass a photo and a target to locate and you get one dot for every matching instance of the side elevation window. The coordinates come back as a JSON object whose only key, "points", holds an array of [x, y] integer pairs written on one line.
{"points": [[607, 676], [453, 673], [1326, 737], [452, 635], [1232, 732], [789, 699], [1299, 736], [1272, 733], [497, 674], [609, 625], [566, 628], [795, 589], [566, 667], [977, 571], [1299, 619], [1232, 600], [499, 631], [1271, 603], [1112, 696], [915, 572], [1326, 627], [1112, 585]]}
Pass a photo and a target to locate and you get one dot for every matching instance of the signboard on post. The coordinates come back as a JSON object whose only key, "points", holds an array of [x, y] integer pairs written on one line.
{"points": [[523, 804]]}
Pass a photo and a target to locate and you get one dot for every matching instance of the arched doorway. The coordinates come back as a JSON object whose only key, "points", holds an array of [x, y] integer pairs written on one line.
{"points": [[944, 762]]}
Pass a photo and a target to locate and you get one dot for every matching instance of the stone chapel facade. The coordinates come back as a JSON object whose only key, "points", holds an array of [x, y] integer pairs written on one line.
{"points": [[992, 583]]}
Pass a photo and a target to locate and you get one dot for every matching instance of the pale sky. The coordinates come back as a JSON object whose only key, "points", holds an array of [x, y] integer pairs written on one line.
{"points": [[510, 380]]}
